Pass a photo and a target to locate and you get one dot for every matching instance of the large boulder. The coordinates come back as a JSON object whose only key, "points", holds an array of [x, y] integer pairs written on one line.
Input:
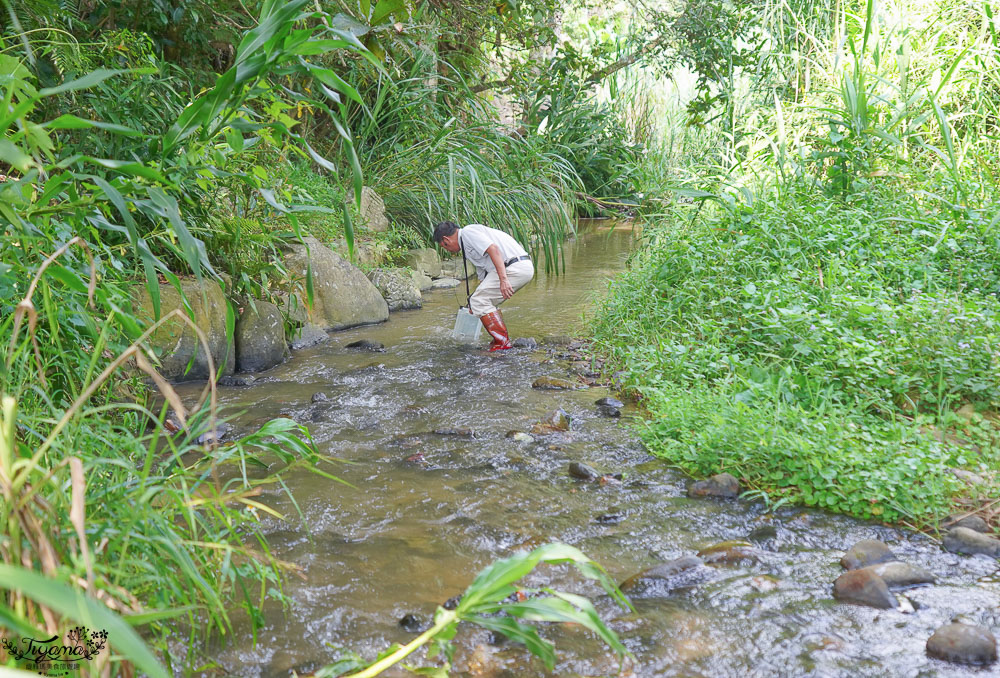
{"points": [[175, 342], [398, 287], [260, 338], [373, 215], [452, 268], [425, 260], [367, 253], [343, 296]]}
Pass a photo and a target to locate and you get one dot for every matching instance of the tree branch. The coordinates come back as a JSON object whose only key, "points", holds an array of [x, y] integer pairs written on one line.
{"points": [[625, 61]]}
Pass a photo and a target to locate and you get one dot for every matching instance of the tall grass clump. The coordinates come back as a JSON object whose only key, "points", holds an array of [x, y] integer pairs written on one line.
{"points": [[118, 500], [818, 313]]}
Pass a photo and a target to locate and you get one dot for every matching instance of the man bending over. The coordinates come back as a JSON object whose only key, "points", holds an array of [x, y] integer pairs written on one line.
{"points": [[503, 267]]}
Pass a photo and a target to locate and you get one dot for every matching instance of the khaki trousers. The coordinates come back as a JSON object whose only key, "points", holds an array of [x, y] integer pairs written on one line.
{"points": [[487, 296]]}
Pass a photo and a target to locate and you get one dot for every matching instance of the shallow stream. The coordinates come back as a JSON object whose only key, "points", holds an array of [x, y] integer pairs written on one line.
{"points": [[429, 510]]}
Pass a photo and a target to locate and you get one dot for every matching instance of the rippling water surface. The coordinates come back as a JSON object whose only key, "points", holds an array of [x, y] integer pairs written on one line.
{"points": [[428, 510]]}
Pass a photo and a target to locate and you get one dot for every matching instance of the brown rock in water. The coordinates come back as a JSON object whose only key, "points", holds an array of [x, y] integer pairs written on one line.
{"points": [[729, 552], [898, 575], [557, 420], [963, 643], [864, 587], [964, 540], [866, 552], [554, 384], [719, 485], [583, 472]]}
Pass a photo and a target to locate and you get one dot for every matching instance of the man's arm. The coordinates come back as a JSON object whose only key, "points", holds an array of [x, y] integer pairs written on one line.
{"points": [[506, 291]]}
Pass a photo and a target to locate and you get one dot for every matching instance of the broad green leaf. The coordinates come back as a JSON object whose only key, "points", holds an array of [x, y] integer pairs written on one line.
{"points": [[71, 602], [93, 78], [69, 121]]}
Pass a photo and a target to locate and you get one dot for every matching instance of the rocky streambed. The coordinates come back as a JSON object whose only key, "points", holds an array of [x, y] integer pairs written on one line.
{"points": [[458, 457]]}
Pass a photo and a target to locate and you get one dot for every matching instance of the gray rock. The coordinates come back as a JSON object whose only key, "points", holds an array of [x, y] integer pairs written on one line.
{"points": [[452, 268], [175, 342], [609, 402], [864, 587], [260, 338], [521, 437], [373, 215], [664, 571], [319, 397], [964, 540], [445, 283], [294, 307], [424, 260], [309, 335], [366, 345], [899, 575], [238, 380], [967, 477], [554, 384], [963, 643], [763, 534], [583, 472], [972, 522], [411, 623], [423, 282], [343, 296], [215, 436], [608, 411], [866, 552], [398, 288], [719, 485], [525, 342]]}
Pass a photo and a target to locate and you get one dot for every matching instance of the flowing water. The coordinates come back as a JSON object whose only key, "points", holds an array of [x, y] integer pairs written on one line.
{"points": [[428, 510]]}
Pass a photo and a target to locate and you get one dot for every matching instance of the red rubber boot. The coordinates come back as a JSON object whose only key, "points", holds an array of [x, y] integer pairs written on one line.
{"points": [[493, 322]]}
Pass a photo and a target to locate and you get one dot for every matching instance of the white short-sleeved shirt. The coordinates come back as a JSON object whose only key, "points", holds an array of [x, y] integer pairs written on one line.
{"points": [[475, 238]]}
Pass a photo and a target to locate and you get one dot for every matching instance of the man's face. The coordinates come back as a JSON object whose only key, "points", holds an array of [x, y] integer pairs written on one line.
{"points": [[450, 243]]}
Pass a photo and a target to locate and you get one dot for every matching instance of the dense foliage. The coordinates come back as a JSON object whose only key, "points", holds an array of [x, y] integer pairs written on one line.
{"points": [[817, 311]]}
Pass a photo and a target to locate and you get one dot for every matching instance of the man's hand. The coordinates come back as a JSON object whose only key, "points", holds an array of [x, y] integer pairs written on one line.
{"points": [[506, 291]]}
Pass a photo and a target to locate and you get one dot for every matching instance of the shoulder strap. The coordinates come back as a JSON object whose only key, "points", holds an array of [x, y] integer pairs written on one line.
{"points": [[465, 271]]}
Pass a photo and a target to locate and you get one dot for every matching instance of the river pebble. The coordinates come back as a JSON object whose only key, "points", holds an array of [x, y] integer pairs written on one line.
{"points": [[970, 542], [898, 575], [554, 384], [719, 485], [663, 571], [972, 522], [867, 552], [864, 587], [583, 472], [963, 643], [366, 345]]}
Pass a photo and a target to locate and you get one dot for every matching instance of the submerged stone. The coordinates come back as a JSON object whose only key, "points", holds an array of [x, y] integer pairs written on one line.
{"points": [[525, 342], [719, 485], [964, 540], [663, 571], [366, 345], [864, 587], [729, 552], [963, 643], [866, 552], [609, 402], [554, 384], [583, 472]]}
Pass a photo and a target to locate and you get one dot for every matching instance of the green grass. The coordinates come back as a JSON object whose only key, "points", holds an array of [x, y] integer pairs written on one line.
{"points": [[806, 344]]}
